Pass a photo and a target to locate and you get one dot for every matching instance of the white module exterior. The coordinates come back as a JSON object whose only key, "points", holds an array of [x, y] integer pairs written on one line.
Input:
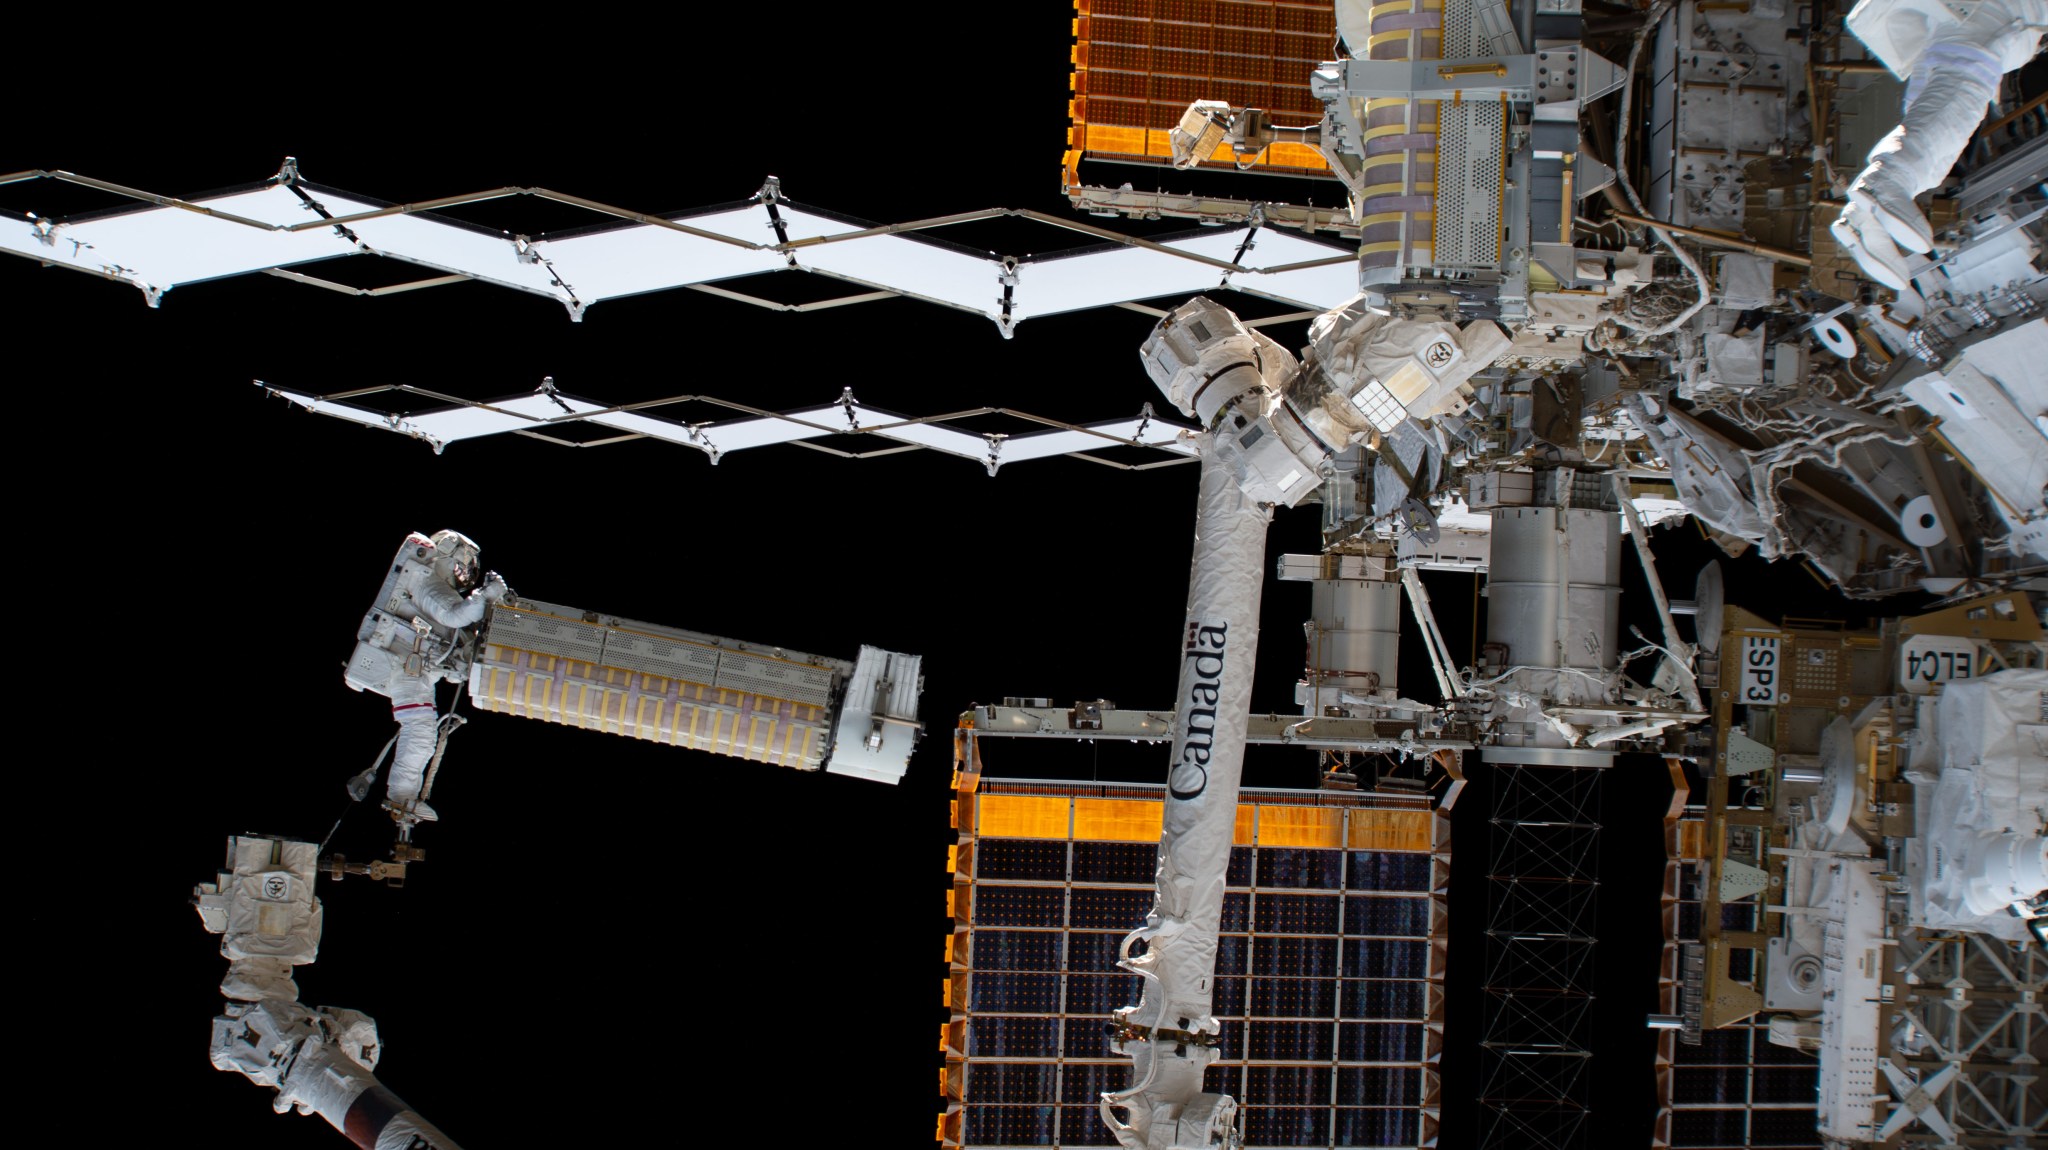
{"points": [[1981, 818], [878, 718], [1852, 970], [1992, 401]]}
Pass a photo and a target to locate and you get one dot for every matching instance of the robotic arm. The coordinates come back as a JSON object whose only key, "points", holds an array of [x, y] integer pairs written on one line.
{"points": [[1277, 423], [318, 1059], [1270, 428], [1172, 1035]]}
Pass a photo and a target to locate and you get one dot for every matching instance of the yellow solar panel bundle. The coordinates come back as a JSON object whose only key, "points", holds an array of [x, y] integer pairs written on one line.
{"points": [[677, 687]]}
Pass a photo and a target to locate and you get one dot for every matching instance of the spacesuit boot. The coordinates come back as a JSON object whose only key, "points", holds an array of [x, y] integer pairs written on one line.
{"points": [[1890, 204], [1870, 244], [410, 810]]}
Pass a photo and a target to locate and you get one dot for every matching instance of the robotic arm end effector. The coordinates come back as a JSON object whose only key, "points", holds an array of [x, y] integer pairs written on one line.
{"points": [[1280, 422]]}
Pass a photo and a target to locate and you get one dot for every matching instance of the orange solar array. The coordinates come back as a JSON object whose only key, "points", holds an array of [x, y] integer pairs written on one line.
{"points": [[1138, 64]]}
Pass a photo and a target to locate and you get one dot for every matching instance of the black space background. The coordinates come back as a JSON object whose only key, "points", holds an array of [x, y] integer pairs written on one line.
{"points": [[610, 942]]}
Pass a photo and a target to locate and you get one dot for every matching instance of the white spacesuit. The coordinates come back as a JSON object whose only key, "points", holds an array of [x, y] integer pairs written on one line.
{"points": [[1951, 54], [414, 637]]}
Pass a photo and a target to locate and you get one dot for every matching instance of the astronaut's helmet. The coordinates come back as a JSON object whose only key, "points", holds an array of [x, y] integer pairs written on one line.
{"points": [[455, 559]]}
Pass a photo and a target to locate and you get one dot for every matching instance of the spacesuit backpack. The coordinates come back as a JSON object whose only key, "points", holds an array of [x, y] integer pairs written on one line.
{"points": [[396, 636]]}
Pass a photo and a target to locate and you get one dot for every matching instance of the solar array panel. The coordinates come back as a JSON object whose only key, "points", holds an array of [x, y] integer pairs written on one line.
{"points": [[1738, 1089], [1138, 64], [1328, 973], [1734, 1088], [275, 228]]}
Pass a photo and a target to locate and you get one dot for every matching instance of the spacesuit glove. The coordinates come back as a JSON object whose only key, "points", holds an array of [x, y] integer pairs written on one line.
{"points": [[495, 589]]}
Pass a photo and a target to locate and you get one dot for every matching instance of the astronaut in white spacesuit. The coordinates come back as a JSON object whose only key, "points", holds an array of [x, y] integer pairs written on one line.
{"points": [[411, 639], [1951, 54]]}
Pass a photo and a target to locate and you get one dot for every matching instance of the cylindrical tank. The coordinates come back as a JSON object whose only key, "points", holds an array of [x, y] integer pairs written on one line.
{"points": [[1354, 644], [1554, 596], [1398, 207], [2006, 867]]}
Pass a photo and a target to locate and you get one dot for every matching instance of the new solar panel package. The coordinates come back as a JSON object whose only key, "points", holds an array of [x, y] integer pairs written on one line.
{"points": [[690, 689]]}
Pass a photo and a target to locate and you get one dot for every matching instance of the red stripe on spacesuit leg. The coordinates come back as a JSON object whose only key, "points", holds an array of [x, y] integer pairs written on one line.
{"points": [[410, 707]]}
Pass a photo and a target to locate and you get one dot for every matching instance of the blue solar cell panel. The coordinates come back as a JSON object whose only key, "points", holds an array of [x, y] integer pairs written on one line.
{"points": [[1295, 914], [1769, 1053], [1019, 905], [1087, 1038], [1709, 1128], [1083, 1126], [1016, 950], [1010, 1082], [1379, 1086], [1111, 908], [1233, 1040], [1386, 999], [1396, 916], [1240, 872], [1295, 957], [1363, 1128], [1232, 952], [1237, 912], [1095, 951], [1738, 916], [1007, 1126], [1689, 921], [1386, 958], [1289, 1042], [1116, 862], [1220, 1079], [1722, 1047], [1287, 1086], [1783, 1128], [1030, 859], [1389, 870], [1009, 992], [1301, 867], [1095, 995], [1784, 1084], [1229, 997], [1698, 1084], [1293, 997], [1081, 1083], [1379, 1042], [1286, 1126], [999, 1036]]}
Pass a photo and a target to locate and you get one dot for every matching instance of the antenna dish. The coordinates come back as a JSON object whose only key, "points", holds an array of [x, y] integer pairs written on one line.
{"points": [[1834, 803], [1707, 604]]}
